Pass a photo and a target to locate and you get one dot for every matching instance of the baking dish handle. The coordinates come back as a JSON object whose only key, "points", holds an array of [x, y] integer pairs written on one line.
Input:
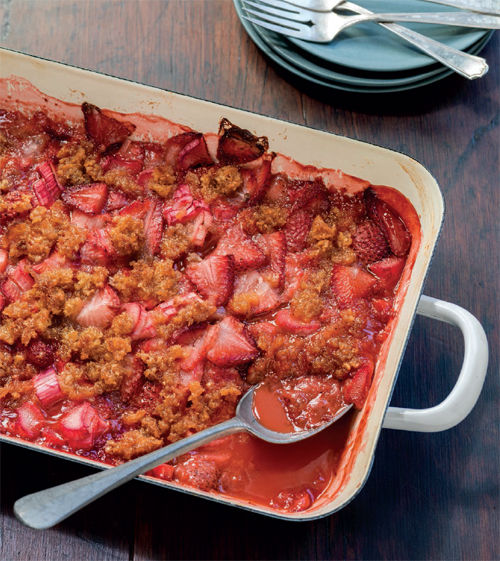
{"points": [[465, 393]]}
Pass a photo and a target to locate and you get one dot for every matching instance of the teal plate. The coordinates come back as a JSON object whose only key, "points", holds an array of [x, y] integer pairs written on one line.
{"points": [[370, 47], [271, 54]]}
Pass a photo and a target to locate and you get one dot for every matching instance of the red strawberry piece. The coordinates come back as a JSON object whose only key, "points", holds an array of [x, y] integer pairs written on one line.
{"points": [[81, 426], [263, 329], [392, 226], [132, 380], [89, 198], [292, 501], [47, 189], [295, 269], [107, 133], [88, 221], [217, 375], [98, 249], [277, 192], [4, 260], [29, 420], [350, 283], [309, 195], [297, 229], [2, 301], [187, 377], [256, 179], [253, 295], [164, 471], [274, 248], [197, 472], [223, 211], [388, 271], [129, 157], [47, 388], [193, 154], [232, 345], [116, 201], [213, 277], [369, 242], [100, 309], [201, 225], [170, 308], [355, 389], [143, 324], [153, 226], [238, 145], [136, 209], [18, 282], [39, 353], [53, 262], [143, 178], [199, 348], [11, 291], [52, 438], [175, 144], [383, 308], [285, 320], [246, 253]]}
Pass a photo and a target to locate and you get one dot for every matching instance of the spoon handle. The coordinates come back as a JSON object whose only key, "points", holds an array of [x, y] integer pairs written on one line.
{"points": [[49, 507], [460, 19]]}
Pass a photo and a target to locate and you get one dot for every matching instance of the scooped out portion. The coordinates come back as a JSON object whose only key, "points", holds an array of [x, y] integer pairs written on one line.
{"points": [[145, 286]]}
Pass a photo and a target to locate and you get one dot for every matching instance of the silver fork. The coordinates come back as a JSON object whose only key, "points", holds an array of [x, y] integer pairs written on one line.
{"points": [[483, 6], [466, 65]]}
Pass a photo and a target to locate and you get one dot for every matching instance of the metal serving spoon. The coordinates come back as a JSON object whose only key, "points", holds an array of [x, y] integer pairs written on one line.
{"points": [[49, 507]]}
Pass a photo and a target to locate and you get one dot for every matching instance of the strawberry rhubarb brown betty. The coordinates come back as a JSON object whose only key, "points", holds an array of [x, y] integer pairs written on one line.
{"points": [[145, 286]]}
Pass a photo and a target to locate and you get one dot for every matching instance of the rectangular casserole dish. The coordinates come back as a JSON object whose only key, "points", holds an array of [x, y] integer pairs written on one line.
{"points": [[323, 150]]}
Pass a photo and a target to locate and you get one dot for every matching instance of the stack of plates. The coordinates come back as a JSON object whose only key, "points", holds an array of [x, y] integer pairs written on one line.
{"points": [[367, 58]]}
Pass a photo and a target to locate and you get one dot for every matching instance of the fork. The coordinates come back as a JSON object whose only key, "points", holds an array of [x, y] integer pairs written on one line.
{"points": [[485, 6], [466, 65]]}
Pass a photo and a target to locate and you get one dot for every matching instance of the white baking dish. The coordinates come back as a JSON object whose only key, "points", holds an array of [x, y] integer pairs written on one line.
{"points": [[377, 165]]}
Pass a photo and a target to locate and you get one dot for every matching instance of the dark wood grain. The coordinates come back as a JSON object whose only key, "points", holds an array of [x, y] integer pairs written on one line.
{"points": [[429, 496]]}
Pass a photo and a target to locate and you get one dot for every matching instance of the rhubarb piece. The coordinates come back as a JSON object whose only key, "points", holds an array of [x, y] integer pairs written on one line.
{"points": [[213, 277], [130, 157], [47, 388], [53, 262], [285, 320], [349, 284], [153, 227], [274, 247], [89, 198], [253, 295], [297, 229], [246, 253], [175, 144], [39, 353], [198, 349], [29, 420], [239, 145], [116, 201], [390, 223], [194, 154], [100, 309], [4, 260], [183, 207], [18, 282], [369, 242], [98, 249], [388, 271], [81, 426], [132, 379], [255, 180], [107, 133], [199, 231], [232, 345], [355, 389], [143, 324], [47, 189]]}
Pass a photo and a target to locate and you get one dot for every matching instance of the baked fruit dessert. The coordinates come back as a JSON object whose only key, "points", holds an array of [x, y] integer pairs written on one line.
{"points": [[146, 285]]}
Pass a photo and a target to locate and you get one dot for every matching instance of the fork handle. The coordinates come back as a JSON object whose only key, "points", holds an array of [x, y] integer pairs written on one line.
{"points": [[466, 65], [460, 19], [484, 6]]}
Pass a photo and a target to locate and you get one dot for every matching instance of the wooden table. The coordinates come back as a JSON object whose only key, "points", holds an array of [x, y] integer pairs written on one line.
{"points": [[429, 496]]}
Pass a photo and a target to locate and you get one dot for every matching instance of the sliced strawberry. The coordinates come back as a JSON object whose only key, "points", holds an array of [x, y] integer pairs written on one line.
{"points": [[350, 284], [285, 320], [132, 379], [11, 291], [2, 301], [39, 353], [116, 200], [193, 154], [129, 157], [263, 329], [232, 345], [223, 211], [369, 242], [171, 308], [153, 226], [295, 269], [107, 133], [100, 309], [89, 198], [81, 426], [383, 308], [98, 249], [213, 277], [29, 420], [392, 226], [53, 262], [246, 253], [221, 376], [175, 144], [4, 260], [164, 471], [311, 196], [238, 145], [47, 388], [388, 271], [256, 179], [253, 295], [87, 221], [143, 324], [355, 389], [297, 229], [136, 209], [274, 248], [199, 348]]}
